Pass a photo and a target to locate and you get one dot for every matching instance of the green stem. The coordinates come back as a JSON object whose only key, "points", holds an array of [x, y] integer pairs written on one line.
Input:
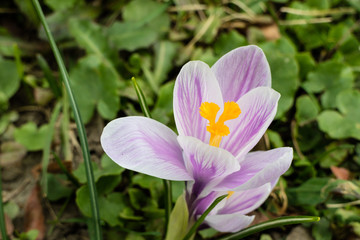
{"points": [[79, 124], [2, 215], [278, 222], [167, 183], [203, 216], [46, 149]]}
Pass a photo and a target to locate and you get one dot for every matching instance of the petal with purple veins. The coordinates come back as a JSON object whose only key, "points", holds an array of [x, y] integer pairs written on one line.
{"points": [[195, 84], [258, 168], [246, 201], [207, 165], [144, 145], [241, 70], [258, 109]]}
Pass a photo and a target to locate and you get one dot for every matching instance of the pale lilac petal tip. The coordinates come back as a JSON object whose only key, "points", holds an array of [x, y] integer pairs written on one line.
{"points": [[258, 109], [259, 168], [229, 222], [241, 70], [195, 84], [144, 145], [246, 201]]}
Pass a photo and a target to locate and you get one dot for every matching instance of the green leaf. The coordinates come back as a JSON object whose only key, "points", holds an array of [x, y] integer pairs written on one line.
{"points": [[306, 109], [331, 77], [129, 37], [335, 154], [346, 123], [95, 87], [27, 8], [62, 5], [228, 41], [153, 184], [321, 230], [110, 205], [311, 35], [165, 52], [309, 193], [58, 20], [108, 168], [355, 4], [57, 187], [275, 138], [347, 216], [31, 137], [284, 71], [9, 78], [138, 198], [273, 223], [178, 222], [306, 63], [11, 209], [144, 22], [163, 109]]}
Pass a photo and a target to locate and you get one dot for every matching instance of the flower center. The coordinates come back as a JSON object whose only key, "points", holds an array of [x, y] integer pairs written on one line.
{"points": [[218, 129]]}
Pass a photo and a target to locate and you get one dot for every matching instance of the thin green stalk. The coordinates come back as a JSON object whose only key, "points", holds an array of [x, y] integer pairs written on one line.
{"points": [[141, 98], [79, 124], [168, 201], [167, 183], [273, 223], [2, 215], [203, 216], [19, 65], [65, 128], [46, 149], [49, 75]]}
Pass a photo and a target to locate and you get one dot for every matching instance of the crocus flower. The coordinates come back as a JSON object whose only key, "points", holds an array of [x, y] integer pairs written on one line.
{"points": [[211, 152]]}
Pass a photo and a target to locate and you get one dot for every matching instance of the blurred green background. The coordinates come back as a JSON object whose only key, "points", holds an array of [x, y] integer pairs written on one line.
{"points": [[314, 54]]}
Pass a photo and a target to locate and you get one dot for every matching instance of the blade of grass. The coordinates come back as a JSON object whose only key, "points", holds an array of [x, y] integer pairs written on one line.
{"points": [[2, 215], [79, 124], [46, 149], [278, 222], [203, 216], [65, 122], [19, 65], [167, 183], [55, 88]]}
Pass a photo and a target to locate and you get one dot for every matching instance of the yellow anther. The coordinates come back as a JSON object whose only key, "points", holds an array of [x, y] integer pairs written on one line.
{"points": [[209, 111], [230, 193], [218, 129]]}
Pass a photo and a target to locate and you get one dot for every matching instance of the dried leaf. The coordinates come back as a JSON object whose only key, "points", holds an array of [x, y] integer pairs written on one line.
{"points": [[34, 216], [340, 173]]}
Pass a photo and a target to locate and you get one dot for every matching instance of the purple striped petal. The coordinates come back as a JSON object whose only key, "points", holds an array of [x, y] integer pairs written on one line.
{"points": [[229, 222], [259, 168], [241, 70], [194, 85], [246, 201], [258, 109], [144, 145], [207, 165]]}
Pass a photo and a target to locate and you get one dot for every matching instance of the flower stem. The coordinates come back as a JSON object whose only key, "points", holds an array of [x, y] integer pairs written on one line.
{"points": [[167, 183], [79, 124], [203, 216]]}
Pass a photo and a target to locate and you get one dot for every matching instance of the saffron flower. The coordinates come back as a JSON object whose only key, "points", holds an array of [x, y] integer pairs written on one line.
{"points": [[211, 150]]}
